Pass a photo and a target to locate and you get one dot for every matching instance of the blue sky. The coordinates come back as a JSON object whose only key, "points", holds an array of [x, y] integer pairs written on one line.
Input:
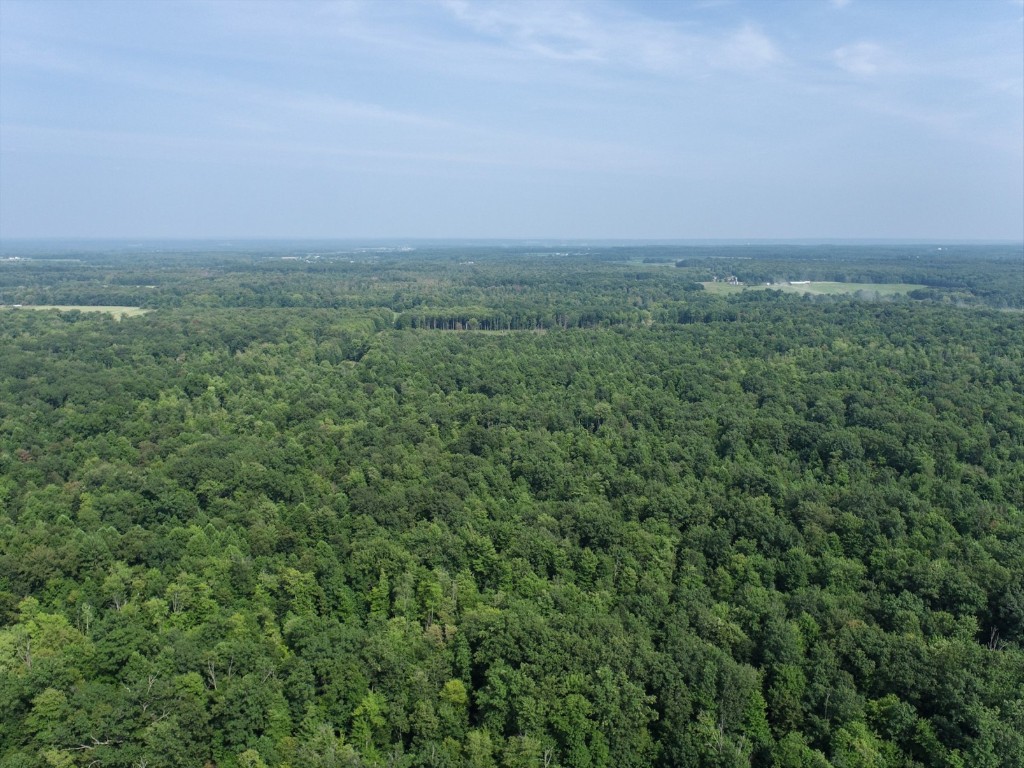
{"points": [[715, 119]]}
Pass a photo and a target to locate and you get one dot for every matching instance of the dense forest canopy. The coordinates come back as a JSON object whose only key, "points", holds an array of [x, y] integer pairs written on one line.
{"points": [[512, 506]]}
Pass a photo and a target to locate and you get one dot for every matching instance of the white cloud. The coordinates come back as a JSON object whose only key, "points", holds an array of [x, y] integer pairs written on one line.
{"points": [[864, 59], [749, 48], [839, 3], [596, 34], [563, 31]]}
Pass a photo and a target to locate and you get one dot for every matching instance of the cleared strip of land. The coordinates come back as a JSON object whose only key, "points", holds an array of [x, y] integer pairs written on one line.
{"points": [[817, 288], [116, 312]]}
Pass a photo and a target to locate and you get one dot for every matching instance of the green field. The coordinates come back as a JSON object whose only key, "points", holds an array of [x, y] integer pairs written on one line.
{"points": [[117, 312], [870, 290]]}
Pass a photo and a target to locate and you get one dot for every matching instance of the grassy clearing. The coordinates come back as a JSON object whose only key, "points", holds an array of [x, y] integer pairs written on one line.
{"points": [[116, 312], [870, 290]]}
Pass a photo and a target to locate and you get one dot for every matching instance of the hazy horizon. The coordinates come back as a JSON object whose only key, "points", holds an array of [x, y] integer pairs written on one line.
{"points": [[824, 121], [58, 246]]}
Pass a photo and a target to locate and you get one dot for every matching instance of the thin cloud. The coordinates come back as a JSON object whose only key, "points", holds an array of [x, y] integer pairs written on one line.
{"points": [[226, 91], [960, 125], [864, 59], [477, 150], [749, 48], [147, 144], [553, 31], [572, 32], [346, 109], [563, 32]]}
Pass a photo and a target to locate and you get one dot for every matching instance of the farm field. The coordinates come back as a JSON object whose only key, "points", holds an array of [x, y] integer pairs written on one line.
{"points": [[818, 288], [116, 311]]}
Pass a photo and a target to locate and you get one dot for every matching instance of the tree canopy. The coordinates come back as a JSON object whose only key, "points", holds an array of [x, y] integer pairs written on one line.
{"points": [[473, 507]]}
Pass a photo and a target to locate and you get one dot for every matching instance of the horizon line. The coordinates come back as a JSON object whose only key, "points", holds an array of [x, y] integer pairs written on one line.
{"points": [[129, 241]]}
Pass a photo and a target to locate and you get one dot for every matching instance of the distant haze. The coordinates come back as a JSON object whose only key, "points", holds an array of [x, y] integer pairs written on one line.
{"points": [[451, 119]]}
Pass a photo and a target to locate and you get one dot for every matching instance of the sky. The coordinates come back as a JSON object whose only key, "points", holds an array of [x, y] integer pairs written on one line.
{"points": [[802, 119]]}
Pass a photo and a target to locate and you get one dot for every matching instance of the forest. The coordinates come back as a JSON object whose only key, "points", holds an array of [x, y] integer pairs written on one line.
{"points": [[511, 506]]}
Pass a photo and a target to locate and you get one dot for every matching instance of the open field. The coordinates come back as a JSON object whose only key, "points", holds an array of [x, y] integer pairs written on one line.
{"points": [[117, 312], [818, 288]]}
